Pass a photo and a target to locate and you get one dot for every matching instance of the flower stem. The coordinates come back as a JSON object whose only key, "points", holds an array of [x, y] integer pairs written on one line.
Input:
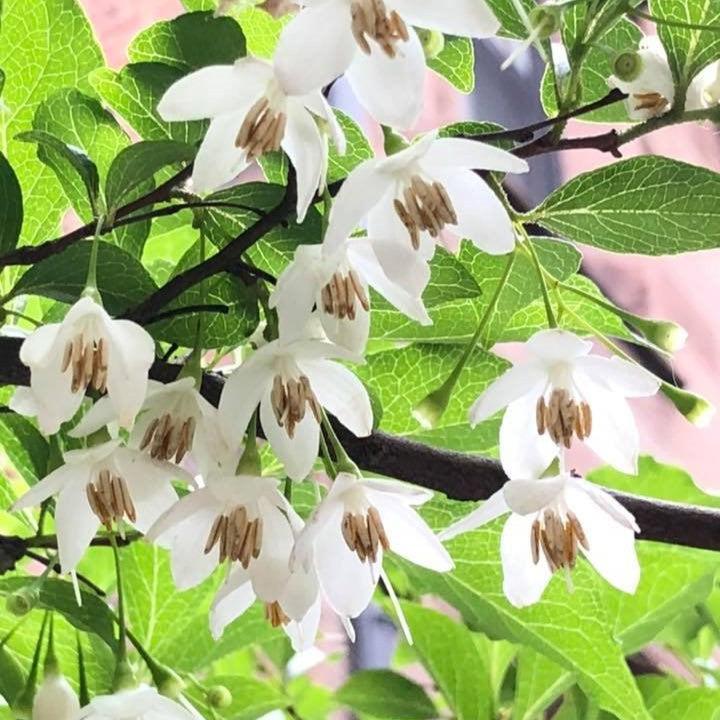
{"points": [[343, 463], [250, 462], [123, 673], [83, 690], [91, 288], [23, 704], [52, 666], [549, 312], [674, 23]]}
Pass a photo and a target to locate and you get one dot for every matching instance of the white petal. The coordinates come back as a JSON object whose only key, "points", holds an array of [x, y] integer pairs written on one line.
{"points": [[467, 18], [317, 104], [606, 502], [231, 601], [297, 454], [52, 484], [189, 564], [523, 452], [403, 265], [612, 545], [99, 415], [450, 153], [526, 497], [557, 345], [300, 594], [75, 523], [341, 393], [618, 375], [219, 160], [306, 150], [391, 89], [214, 90], [315, 48], [351, 334], [40, 347], [522, 379], [303, 634], [409, 535], [384, 224], [405, 492], [482, 219], [23, 402], [490, 510], [53, 397], [302, 350], [166, 526]]}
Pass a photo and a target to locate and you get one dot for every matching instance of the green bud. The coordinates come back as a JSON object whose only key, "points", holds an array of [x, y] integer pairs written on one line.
{"points": [[666, 335], [628, 66], [429, 411], [219, 697], [167, 682], [432, 41], [394, 143], [694, 408], [124, 678], [22, 601], [545, 20]]}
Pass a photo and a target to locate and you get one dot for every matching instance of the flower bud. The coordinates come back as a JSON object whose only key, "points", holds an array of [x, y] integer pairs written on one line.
{"points": [[22, 601], [55, 700], [431, 408], [666, 335], [628, 66], [693, 407], [545, 20], [432, 41], [393, 143], [219, 697], [168, 683]]}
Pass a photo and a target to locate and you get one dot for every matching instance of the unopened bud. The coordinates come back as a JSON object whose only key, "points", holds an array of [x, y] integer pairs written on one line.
{"points": [[393, 142], [545, 20], [168, 683], [22, 601], [693, 407], [628, 66], [429, 411], [666, 335], [219, 697], [55, 700], [432, 41]]}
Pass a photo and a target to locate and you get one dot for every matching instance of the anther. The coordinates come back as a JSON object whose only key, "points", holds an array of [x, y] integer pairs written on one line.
{"points": [[109, 499], [558, 538], [562, 417], [290, 399], [653, 101], [275, 615], [88, 363], [364, 534], [262, 130], [370, 19], [339, 298]]}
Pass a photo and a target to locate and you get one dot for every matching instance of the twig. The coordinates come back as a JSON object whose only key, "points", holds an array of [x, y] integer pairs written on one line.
{"points": [[188, 310]]}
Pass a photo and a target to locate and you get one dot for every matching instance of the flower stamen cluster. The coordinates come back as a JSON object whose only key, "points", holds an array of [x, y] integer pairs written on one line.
{"points": [[240, 539], [341, 293], [562, 417], [262, 130], [558, 537], [371, 18], [169, 437], [364, 534], [290, 399], [109, 498], [89, 361]]}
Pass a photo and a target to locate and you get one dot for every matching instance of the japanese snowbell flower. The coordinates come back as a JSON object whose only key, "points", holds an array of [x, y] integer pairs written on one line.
{"points": [[88, 349], [174, 419], [102, 485], [337, 284], [348, 533], [292, 382], [252, 112], [551, 521], [417, 193], [646, 78], [55, 699], [374, 44], [291, 597], [141, 703], [563, 392], [704, 90], [239, 518]]}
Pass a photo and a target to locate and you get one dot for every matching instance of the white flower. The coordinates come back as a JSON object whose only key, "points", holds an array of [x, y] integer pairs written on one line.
{"points": [[417, 193], [104, 484], [350, 530], [141, 703], [252, 112], [174, 419], [291, 598], [337, 284], [646, 78], [55, 700], [563, 392], [88, 349], [234, 517], [292, 382], [704, 90], [374, 44], [551, 519]]}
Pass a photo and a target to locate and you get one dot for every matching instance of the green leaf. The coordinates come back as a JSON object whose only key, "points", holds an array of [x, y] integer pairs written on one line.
{"points": [[641, 205], [59, 156], [693, 703], [12, 676], [190, 42], [449, 654], [386, 694], [138, 163], [43, 46], [456, 63], [24, 446], [11, 205], [506, 12], [122, 280], [134, 93], [358, 149], [262, 30], [688, 50], [539, 681]]}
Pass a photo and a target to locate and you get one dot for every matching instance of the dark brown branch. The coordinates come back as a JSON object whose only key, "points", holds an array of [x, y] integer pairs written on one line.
{"points": [[609, 142], [188, 310]]}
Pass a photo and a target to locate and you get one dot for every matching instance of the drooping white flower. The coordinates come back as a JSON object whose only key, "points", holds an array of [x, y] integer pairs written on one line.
{"points": [[234, 517], [88, 349], [252, 112], [646, 78], [337, 284], [104, 484], [351, 529], [551, 521], [374, 44], [704, 90], [416, 194], [55, 699], [141, 703], [291, 597], [563, 392], [174, 419], [292, 382]]}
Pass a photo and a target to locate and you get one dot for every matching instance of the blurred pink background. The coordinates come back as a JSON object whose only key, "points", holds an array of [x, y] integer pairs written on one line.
{"points": [[684, 289]]}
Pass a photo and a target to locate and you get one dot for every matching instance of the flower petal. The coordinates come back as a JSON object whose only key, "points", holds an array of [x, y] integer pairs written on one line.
{"points": [[75, 524], [41, 346], [618, 375], [385, 224], [519, 380], [231, 601], [606, 502], [342, 394], [450, 153], [524, 582], [406, 492], [557, 345], [316, 47], [466, 18], [166, 526], [189, 563], [391, 89], [98, 416], [351, 334], [54, 400], [490, 510], [318, 105], [52, 484], [526, 497], [303, 633]]}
